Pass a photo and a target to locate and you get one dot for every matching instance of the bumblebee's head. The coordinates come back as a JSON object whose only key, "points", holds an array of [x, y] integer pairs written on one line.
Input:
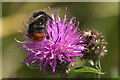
{"points": [[38, 22]]}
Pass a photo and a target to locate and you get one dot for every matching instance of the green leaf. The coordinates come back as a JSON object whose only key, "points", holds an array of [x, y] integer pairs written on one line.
{"points": [[87, 69]]}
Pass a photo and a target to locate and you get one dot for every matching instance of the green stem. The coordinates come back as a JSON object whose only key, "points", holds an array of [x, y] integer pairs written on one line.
{"points": [[98, 67]]}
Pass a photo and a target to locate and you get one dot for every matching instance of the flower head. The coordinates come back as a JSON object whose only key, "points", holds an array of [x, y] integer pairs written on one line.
{"points": [[96, 45], [60, 48]]}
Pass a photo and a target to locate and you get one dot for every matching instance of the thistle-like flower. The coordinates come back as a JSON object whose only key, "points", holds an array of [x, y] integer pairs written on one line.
{"points": [[96, 45], [60, 48]]}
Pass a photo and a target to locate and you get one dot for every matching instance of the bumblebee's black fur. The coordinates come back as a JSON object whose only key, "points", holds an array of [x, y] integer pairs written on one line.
{"points": [[38, 24]]}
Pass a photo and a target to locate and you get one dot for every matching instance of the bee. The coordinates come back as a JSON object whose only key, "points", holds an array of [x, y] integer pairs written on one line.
{"points": [[37, 30]]}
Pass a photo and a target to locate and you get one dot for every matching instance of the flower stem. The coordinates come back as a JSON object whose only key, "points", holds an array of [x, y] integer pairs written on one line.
{"points": [[98, 67]]}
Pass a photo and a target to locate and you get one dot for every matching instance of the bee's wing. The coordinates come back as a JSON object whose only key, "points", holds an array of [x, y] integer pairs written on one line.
{"points": [[31, 20]]}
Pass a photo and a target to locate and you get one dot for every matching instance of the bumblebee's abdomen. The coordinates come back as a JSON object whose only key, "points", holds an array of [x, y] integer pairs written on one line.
{"points": [[37, 37]]}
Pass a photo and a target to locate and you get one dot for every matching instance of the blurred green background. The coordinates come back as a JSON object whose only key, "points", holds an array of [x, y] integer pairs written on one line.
{"points": [[100, 16]]}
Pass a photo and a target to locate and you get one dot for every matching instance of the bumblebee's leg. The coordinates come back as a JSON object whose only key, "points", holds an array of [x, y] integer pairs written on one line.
{"points": [[46, 33]]}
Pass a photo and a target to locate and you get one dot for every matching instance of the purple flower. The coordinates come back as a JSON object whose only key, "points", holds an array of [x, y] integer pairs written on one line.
{"points": [[62, 46]]}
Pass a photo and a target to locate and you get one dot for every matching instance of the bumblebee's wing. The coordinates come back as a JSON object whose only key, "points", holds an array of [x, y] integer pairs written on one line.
{"points": [[31, 20]]}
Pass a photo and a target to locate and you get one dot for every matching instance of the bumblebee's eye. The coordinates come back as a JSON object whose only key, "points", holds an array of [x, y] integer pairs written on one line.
{"points": [[40, 22]]}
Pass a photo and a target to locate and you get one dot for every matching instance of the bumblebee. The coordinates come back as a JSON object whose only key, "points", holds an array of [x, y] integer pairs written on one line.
{"points": [[37, 30]]}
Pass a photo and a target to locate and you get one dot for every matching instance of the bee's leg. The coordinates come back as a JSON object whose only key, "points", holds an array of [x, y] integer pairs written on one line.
{"points": [[47, 35]]}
